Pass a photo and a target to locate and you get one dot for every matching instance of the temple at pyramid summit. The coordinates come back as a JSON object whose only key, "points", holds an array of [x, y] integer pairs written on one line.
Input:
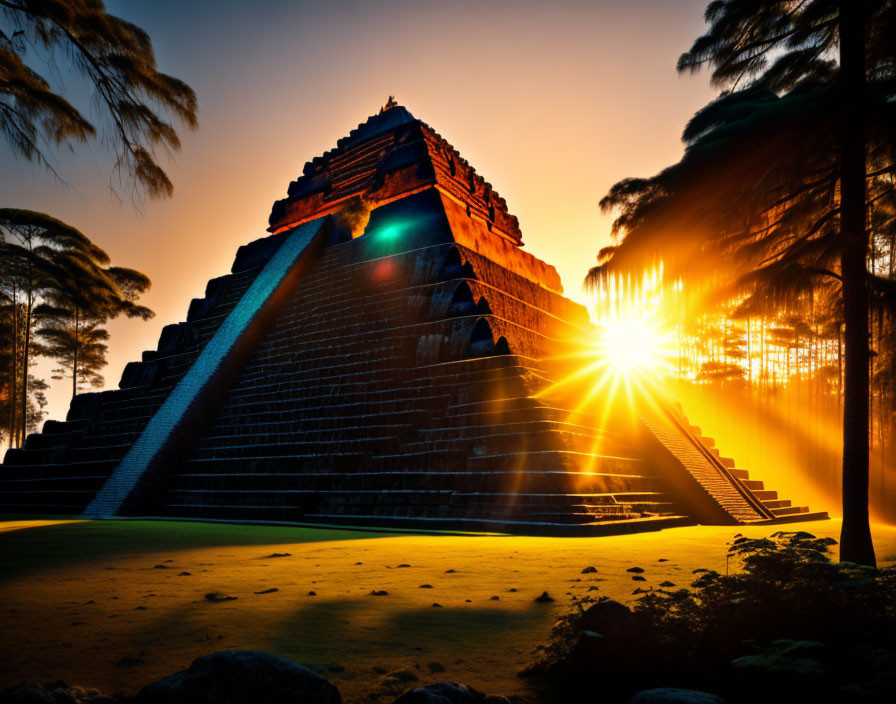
{"points": [[388, 355]]}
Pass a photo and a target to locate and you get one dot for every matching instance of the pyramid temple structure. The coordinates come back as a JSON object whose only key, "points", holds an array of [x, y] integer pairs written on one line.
{"points": [[384, 357]]}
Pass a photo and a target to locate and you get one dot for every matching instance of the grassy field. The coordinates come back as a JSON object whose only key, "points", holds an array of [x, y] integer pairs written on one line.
{"points": [[118, 604]]}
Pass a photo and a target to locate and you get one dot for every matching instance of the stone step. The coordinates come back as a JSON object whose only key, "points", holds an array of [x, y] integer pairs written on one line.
{"points": [[558, 460], [517, 441], [282, 474], [256, 448], [790, 510], [350, 403]]}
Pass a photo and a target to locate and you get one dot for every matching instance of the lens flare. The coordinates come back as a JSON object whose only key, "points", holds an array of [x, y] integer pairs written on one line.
{"points": [[618, 367], [631, 345]]}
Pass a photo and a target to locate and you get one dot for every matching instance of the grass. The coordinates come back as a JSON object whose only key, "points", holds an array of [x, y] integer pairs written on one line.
{"points": [[84, 601]]}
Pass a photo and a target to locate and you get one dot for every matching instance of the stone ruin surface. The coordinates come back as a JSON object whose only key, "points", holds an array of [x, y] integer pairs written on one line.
{"points": [[382, 358]]}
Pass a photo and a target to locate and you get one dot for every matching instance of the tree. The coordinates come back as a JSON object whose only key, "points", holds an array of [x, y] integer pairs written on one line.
{"points": [[83, 298], [29, 242], [79, 349], [52, 270], [116, 57], [777, 181]]}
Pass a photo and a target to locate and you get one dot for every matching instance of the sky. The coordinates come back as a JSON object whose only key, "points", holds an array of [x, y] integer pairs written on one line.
{"points": [[551, 102]]}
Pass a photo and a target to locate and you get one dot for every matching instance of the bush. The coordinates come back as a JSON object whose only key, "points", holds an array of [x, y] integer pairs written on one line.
{"points": [[786, 625]]}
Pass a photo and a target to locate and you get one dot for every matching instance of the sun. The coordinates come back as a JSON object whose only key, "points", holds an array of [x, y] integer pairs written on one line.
{"points": [[632, 345]]}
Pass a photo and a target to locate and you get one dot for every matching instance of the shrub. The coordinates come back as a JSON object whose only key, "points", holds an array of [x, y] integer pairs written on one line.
{"points": [[786, 624]]}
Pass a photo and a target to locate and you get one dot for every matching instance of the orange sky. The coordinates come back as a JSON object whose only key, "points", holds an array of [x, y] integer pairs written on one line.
{"points": [[552, 102]]}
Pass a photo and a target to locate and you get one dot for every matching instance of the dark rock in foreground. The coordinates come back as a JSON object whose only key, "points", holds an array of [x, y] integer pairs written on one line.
{"points": [[448, 693], [671, 695], [241, 677], [611, 619], [53, 693]]}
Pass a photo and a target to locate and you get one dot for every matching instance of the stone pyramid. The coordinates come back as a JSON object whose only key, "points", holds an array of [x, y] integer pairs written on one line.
{"points": [[385, 357]]}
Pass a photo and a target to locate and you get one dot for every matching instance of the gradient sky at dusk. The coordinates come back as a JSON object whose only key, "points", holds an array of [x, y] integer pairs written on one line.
{"points": [[552, 103]]}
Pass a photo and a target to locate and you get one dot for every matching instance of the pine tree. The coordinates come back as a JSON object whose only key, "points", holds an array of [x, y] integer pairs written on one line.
{"points": [[778, 179]]}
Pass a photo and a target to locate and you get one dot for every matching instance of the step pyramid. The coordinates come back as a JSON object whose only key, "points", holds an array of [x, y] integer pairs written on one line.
{"points": [[387, 356]]}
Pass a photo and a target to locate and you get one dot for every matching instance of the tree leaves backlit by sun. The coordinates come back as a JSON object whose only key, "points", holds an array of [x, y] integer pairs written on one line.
{"points": [[767, 214]]}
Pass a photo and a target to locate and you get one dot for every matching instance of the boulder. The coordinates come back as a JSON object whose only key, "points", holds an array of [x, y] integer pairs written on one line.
{"points": [[448, 693], [611, 619], [612, 638], [241, 677], [53, 693], [671, 695]]}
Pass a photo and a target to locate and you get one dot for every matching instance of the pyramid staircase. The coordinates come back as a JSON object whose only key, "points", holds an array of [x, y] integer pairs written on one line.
{"points": [[398, 378]]}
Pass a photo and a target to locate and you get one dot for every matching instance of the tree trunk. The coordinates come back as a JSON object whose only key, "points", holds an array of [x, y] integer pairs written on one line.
{"points": [[23, 408], [855, 537], [13, 396], [75, 359]]}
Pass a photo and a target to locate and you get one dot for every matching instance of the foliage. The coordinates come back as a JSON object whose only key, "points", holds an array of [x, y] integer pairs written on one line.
{"points": [[135, 100], [781, 176], [80, 351], [53, 275], [786, 624]]}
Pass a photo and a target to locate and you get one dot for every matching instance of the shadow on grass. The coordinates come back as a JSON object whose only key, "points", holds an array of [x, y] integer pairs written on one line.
{"points": [[39, 548], [328, 632]]}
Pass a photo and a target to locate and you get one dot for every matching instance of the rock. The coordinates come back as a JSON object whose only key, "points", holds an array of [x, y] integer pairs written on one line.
{"points": [[638, 578], [437, 606], [381, 592], [450, 571], [403, 564], [671, 695], [613, 639], [544, 598], [634, 569], [277, 554], [53, 693], [589, 570], [611, 619], [217, 597], [667, 583], [512, 589], [268, 591], [663, 559], [435, 667], [160, 567], [426, 586], [447, 693], [312, 593], [241, 677], [184, 574]]}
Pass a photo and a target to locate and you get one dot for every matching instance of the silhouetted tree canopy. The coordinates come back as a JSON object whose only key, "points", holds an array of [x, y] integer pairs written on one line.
{"points": [[136, 102], [53, 275], [781, 176]]}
